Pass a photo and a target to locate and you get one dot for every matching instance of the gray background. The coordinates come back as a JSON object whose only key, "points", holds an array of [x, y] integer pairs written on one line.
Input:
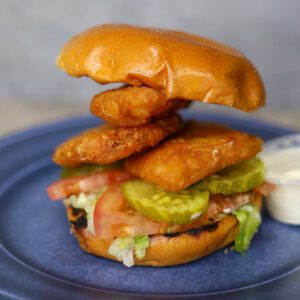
{"points": [[32, 33]]}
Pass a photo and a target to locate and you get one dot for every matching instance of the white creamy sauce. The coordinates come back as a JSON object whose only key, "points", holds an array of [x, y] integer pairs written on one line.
{"points": [[283, 169], [196, 215], [227, 210]]}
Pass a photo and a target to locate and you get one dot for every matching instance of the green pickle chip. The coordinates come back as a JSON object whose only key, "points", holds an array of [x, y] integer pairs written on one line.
{"points": [[189, 204], [160, 205], [238, 178], [89, 169]]}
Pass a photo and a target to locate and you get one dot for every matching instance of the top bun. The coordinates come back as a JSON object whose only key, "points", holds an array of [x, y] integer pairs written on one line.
{"points": [[177, 64]]}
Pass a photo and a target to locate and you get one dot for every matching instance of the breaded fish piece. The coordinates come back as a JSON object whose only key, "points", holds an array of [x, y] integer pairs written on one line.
{"points": [[133, 106], [108, 143], [198, 151]]}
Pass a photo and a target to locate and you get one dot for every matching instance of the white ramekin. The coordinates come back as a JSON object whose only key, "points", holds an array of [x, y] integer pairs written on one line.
{"points": [[283, 203]]}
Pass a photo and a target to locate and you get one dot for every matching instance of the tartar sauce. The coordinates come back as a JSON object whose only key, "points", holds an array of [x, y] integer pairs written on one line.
{"points": [[283, 169]]}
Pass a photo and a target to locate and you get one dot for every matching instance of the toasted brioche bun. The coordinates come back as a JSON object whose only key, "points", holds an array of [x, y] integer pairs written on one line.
{"points": [[174, 249], [177, 64]]}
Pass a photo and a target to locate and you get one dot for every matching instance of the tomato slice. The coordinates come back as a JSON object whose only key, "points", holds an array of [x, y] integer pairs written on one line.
{"points": [[113, 217], [217, 206], [266, 188], [74, 185]]}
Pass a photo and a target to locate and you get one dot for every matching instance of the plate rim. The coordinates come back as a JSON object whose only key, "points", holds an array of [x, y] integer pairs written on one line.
{"points": [[79, 121], [85, 119]]}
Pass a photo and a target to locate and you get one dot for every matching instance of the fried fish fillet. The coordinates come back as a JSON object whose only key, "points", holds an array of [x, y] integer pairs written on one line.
{"points": [[133, 106], [108, 143], [199, 150]]}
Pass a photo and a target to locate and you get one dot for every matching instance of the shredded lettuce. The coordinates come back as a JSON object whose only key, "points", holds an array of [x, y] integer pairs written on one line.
{"points": [[249, 220], [123, 248], [141, 243], [86, 202]]}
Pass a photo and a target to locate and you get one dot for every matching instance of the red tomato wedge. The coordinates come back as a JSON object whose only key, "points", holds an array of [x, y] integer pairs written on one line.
{"points": [[217, 205], [114, 218], [266, 188], [74, 185]]}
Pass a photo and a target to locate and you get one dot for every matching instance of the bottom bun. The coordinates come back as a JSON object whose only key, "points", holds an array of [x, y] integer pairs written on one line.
{"points": [[172, 249]]}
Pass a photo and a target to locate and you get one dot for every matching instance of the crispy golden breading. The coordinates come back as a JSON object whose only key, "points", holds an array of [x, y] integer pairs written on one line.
{"points": [[200, 150], [108, 143], [133, 106]]}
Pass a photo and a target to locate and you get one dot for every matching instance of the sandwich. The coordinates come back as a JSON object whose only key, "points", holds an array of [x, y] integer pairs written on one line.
{"points": [[146, 187]]}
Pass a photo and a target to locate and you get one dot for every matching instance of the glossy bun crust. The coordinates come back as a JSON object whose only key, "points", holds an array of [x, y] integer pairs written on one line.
{"points": [[177, 64], [175, 249]]}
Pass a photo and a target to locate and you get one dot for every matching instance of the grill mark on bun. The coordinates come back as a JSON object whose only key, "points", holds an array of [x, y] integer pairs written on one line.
{"points": [[77, 211], [80, 220], [209, 227], [80, 223], [194, 232]]}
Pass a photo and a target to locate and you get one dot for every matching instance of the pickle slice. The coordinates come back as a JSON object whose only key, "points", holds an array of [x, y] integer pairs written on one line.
{"points": [[238, 178], [88, 169], [160, 205]]}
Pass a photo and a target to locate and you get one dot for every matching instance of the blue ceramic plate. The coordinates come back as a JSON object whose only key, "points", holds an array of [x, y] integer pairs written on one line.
{"points": [[40, 259]]}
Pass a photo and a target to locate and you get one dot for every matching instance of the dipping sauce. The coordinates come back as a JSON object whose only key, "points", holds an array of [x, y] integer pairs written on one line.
{"points": [[283, 169]]}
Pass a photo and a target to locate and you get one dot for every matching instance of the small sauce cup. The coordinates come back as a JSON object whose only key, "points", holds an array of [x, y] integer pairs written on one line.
{"points": [[282, 160]]}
